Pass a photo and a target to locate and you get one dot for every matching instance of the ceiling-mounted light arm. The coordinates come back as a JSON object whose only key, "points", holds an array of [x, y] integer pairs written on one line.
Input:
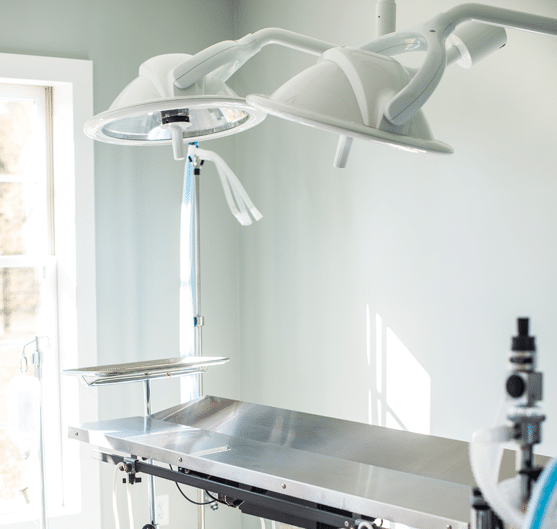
{"points": [[224, 58], [385, 17], [410, 99], [397, 43], [498, 16]]}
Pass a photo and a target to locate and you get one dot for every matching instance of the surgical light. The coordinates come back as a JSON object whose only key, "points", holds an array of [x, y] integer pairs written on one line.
{"points": [[354, 92], [178, 98], [152, 110]]}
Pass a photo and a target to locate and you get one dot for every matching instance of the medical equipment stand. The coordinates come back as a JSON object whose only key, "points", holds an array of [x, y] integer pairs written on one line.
{"points": [[524, 387], [151, 482], [37, 361], [198, 319], [145, 372]]}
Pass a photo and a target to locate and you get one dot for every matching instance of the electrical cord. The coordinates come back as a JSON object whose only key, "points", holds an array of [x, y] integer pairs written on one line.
{"points": [[192, 501]]}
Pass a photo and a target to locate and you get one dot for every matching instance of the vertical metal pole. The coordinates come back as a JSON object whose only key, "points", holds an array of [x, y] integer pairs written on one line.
{"points": [[191, 320], [151, 481], [198, 321], [190, 278], [37, 365], [385, 17]]}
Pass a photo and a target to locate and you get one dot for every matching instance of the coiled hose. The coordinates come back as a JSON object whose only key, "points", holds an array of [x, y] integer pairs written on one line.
{"points": [[544, 499], [486, 451]]}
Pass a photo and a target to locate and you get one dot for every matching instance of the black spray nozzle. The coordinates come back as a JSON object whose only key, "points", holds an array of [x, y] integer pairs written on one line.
{"points": [[523, 342]]}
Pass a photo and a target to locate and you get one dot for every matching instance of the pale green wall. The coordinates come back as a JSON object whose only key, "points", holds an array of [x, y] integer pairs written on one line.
{"points": [[448, 251]]}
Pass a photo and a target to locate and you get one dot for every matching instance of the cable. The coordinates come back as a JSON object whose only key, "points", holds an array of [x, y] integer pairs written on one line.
{"points": [[190, 500]]}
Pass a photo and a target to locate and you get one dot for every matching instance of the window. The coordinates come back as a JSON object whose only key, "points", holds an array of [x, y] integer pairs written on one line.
{"points": [[46, 257], [28, 303]]}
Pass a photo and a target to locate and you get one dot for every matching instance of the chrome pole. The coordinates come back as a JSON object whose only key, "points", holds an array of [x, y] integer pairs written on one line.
{"points": [[37, 365], [190, 274], [151, 480], [198, 319]]}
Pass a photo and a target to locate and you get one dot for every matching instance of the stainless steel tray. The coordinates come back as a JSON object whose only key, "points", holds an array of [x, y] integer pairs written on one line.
{"points": [[147, 370], [418, 480]]}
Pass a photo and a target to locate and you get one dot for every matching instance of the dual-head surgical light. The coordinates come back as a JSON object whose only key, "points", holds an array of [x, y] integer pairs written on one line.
{"points": [[354, 92]]}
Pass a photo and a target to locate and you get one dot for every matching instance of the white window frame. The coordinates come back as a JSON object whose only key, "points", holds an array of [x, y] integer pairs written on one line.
{"points": [[74, 231]]}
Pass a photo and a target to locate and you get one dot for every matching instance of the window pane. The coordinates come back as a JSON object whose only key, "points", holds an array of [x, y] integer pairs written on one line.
{"points": [[19, 299], [12, 470], [23, 206], [16, 126], [11, 218]]}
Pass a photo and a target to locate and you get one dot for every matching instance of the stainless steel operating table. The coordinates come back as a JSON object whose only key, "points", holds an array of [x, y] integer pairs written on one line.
{"points": [[296, 467]]}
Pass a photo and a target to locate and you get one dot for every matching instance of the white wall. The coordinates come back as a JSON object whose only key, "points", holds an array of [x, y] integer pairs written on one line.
{"points": [[445, 252]]}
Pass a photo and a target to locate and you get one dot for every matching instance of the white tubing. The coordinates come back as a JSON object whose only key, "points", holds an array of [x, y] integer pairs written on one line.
{"points": [[114, 505], [244, 217], [121, 466], [236, 184], [130, 510], [230, 200], [544, 498], [236, 196], [486, 452], [235, 204]]}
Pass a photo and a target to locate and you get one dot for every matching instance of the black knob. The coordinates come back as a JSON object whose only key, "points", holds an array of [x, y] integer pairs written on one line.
{"points": [[523, 341], [516, 386]]}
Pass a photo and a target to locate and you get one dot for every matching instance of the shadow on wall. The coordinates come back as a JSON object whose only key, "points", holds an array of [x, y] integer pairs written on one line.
{"points": [[400, 396]]}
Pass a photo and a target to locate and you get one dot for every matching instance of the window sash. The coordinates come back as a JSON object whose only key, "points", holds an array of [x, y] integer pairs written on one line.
{"points": [[72, 96]]}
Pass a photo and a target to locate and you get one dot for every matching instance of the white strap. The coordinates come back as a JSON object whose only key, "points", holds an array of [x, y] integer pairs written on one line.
{"points": [[236, 196]]}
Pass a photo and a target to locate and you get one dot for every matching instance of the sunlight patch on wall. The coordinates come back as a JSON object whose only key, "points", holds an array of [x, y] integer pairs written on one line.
{"points": [[400, 389], [408, 388]]}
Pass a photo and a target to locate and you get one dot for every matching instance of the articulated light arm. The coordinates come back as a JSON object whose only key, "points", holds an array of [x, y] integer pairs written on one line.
{"points": [[498, 16], [224, 58], [410, 99], [168, 103]]}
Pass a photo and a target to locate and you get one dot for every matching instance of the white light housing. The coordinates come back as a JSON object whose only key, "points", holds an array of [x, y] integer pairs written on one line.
{"points": [[151, 110], [354, 92], [346, 93]]}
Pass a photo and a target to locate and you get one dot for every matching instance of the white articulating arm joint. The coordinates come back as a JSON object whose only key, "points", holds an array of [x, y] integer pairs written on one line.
{"points": [[409, 100], [224, 58], [236, 196]]}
